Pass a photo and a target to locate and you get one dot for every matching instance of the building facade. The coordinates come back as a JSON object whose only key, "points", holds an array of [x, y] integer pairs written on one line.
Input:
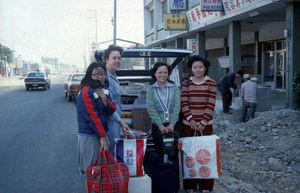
{"points": [[262, 37]]}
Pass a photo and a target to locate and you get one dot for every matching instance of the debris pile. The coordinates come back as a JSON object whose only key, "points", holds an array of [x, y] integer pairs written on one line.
{"points": [[261, 155]]}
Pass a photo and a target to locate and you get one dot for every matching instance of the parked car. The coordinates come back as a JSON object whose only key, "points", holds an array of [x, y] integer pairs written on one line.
{"points": [[72, 85], [36, 80]]}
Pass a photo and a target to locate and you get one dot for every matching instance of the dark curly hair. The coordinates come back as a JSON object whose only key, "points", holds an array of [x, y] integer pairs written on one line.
{"points": [[87, 79], [111, 48], [154, 69], [196, 58]]}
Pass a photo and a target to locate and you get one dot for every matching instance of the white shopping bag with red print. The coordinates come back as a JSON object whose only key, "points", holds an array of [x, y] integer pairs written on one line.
{"points": [[131, 152], [201, 157]]}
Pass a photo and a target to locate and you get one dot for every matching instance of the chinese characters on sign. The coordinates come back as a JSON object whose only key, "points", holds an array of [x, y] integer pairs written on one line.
{"points": [[175, 22], [195, 16], [177, 4], [211, 5], [233, 5], [192, 45]]}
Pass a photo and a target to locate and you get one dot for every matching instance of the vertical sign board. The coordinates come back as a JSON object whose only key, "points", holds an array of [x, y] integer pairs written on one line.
{"points": [[230, 6], [192, 45], [177, 4], [175, 22], [211, 5]]}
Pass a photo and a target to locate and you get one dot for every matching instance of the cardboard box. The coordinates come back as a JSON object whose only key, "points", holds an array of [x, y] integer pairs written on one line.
{"points": [[141, 120]]}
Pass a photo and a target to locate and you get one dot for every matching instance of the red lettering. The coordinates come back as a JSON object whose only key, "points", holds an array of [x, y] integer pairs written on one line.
{"points": [[226, 5], [198, 13], [193, 16], [232, 4]]}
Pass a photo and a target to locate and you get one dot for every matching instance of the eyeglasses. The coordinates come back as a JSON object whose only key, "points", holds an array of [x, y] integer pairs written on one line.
{"points": [[98, 74]]}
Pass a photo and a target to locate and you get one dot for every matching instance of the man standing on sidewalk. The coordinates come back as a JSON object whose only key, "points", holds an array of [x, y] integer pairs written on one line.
{"points": [[224, 85], [249, 97]]}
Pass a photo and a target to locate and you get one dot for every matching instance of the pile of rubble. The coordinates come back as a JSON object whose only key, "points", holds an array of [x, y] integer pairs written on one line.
{"points": [[261, 155]]}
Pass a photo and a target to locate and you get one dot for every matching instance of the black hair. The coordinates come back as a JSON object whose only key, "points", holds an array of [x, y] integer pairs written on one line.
{"points": [[154, 69], [87, 79], [196, 58], [111, 48], [241, 73]]}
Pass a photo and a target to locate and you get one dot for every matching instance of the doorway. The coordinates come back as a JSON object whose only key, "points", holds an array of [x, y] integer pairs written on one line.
{"points": [[275, 67]]}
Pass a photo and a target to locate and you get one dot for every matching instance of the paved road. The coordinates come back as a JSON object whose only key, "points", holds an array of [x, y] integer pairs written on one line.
{"points": [[38, 139]]}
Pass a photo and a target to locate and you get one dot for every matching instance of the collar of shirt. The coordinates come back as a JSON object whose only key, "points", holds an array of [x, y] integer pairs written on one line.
{"points": [[198, 83], [168, 84], [111, 75]]}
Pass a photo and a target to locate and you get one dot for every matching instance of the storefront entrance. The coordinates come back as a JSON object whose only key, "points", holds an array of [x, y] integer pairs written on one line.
{"points": [[275, 65]]}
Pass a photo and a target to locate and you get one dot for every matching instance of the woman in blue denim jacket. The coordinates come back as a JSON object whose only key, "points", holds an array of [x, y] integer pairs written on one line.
{"points": [[112, 58]]}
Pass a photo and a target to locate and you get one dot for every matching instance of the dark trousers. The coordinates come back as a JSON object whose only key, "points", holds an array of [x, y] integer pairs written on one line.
{"points": [[226, 100]]}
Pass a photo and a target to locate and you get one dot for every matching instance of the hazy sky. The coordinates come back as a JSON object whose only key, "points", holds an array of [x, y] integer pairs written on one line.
{"points": [[66, 28]]}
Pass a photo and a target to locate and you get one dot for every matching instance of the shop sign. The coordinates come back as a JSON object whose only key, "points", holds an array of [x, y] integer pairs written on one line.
{"points": [[211, 5], [231, 6], [177, 4], [195, 16], [175, 22], [192, 45]]}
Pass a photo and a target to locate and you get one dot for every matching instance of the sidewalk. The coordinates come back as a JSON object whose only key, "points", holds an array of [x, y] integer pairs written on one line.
{"points": [[9, 81]]}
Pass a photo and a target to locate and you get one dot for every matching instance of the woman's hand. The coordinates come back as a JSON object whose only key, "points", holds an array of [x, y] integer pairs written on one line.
{"points": [[193, 124], [164, 130], [170, 128], [200, 127], [125, 128], [103, 143], [101, 94]]}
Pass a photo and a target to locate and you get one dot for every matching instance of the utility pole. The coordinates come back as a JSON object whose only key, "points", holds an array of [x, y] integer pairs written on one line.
{"points": [[115, 22]]}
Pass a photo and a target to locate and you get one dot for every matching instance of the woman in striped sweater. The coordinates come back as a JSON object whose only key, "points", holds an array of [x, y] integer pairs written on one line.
{"points": [[198, 98]]}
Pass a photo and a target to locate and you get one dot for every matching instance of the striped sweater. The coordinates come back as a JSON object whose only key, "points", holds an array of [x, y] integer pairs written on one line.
{"points": [[198, 101]]}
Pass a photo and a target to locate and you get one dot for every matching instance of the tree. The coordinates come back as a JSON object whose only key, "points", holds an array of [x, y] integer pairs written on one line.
{"points": [[5, 51]]}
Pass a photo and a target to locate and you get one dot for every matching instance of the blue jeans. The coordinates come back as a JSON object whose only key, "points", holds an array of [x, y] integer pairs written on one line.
{"points": [[114, 131], [251, 111]]}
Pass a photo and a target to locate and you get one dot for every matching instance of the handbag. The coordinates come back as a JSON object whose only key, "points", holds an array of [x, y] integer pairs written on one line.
{"points": [[201, 157], [131, 152], [107, 177]]}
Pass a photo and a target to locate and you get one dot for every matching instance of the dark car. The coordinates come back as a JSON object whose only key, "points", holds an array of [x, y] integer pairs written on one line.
{"points": [[72, 85], [36, 80]]}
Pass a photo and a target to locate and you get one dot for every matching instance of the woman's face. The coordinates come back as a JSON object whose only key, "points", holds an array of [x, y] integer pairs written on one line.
{"points": [[114, 60], [198, 69], [161, 74], [99, 74]]}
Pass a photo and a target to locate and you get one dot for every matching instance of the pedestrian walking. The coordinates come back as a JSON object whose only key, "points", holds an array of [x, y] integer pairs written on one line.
{"points": [[112, 58], [198, 98], [224, 85], [249, 97]]}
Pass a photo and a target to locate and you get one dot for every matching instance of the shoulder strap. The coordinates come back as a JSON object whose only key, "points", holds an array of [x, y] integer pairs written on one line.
{"points": [[188, 83]]}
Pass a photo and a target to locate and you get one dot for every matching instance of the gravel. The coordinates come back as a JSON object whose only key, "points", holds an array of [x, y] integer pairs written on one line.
{"points": [[261, 155]]}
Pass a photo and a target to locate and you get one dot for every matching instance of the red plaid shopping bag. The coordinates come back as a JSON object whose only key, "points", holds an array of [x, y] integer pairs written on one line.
{"points": [[108, 177]]}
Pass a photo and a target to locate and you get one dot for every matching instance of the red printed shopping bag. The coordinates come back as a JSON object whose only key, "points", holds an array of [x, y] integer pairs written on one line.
{"points": [[201, 157], [131, 152]]}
